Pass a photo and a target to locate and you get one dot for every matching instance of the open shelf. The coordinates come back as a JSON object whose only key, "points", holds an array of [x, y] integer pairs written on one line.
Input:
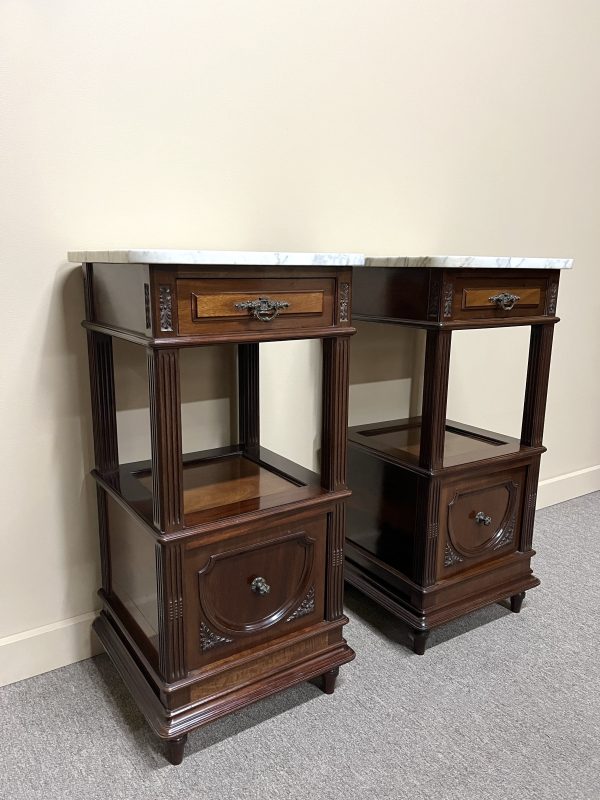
{"points": [[463, 444], [224, 482]]}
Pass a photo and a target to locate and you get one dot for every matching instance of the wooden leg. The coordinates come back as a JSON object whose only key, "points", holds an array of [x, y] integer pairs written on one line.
{"points": [[329, 680], [516, 601], [420, 641], [175, 749]]}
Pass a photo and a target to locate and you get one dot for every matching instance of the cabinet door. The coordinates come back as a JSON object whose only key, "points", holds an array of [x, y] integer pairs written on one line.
{"points": [[481, 518], [249, 589]]}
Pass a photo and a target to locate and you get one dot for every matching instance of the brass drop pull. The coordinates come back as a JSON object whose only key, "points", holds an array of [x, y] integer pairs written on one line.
{"points": [[264, 308], [260, 586], [482, 519], [504, 300]]}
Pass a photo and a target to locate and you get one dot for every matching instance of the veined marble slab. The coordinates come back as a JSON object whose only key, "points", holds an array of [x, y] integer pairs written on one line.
{"points": [[475, 262], [218, 257]]}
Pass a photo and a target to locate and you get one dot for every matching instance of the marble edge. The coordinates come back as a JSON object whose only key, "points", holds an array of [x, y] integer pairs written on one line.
{"points": [[470, 262], [217, 257]]}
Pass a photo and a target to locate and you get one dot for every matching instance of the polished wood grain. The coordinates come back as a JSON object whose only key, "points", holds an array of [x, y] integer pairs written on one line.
{"points": [[471, 293], [224, 306], [435, 397], [334, 463], [223, 569], [441, 517], [289, 564], [165, 434], [226, 482], [430, 297], [173, 725], [536, 390], [212, 303], [249, 394], [480, 298], [462, 444], [260, 667]]}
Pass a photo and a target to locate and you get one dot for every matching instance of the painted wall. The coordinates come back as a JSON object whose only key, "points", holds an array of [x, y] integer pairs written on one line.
{"points": [[379, 126]]}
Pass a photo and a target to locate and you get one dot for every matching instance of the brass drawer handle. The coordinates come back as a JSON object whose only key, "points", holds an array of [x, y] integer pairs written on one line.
{"points": [[260, 586], [504, 300], [264, 308], [482, 519]]}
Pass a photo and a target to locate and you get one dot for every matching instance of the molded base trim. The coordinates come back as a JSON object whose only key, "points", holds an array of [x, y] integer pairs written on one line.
{"points": [[568, 486], [40, 650], [420, 620], [169, 724]]}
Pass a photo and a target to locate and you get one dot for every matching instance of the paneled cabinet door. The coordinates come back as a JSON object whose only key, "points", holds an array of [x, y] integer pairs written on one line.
{"points": [[243, 591], [481, 518]]}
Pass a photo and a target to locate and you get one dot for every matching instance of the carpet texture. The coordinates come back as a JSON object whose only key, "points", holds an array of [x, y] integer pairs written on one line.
{"points": [[501, 706]]}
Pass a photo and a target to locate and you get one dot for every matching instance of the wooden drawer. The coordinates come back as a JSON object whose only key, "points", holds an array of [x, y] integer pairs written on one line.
{"points": [[253, 304], [480, 519], [249, 589], [492, 297]]}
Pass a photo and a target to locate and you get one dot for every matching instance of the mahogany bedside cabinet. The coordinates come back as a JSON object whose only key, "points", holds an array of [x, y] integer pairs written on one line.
{"points": [[222, 570], [441, 516]]}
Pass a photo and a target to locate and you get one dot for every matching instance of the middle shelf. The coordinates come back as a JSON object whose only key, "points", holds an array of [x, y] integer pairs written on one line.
{"points": [[223, 482], [400, 439]]}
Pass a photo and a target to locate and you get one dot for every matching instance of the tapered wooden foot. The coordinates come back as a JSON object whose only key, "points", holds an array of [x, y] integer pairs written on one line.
{"points": [[516, 601], [420, 641], [175, 749], [329, 678]]}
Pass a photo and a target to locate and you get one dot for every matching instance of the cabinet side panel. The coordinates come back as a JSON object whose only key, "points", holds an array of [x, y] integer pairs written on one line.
{"points": [[382, 509], [133, 569], [121, 298]]}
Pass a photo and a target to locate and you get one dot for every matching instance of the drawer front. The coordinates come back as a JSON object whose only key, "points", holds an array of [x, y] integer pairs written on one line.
{"points": [[492, 298], [251, 589], [253, 304], [480, 519]]}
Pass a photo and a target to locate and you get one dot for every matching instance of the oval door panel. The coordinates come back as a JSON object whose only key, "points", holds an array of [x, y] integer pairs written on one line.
{"points": [[252, 588], [482, 519]]}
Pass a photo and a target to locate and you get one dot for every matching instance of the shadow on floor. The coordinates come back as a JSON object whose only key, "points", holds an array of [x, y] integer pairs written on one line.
{"points": [[392, 628], [152, 750]]}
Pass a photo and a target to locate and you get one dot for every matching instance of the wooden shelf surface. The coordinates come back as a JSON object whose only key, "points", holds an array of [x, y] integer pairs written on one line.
{"points": [[224, 482], [463, 444]]}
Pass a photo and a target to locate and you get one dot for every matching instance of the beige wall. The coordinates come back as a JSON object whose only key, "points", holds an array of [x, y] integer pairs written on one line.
{"points": [[369, 125]]}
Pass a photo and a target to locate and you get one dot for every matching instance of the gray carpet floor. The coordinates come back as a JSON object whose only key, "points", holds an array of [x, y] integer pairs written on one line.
{"points": [[501, 706]]}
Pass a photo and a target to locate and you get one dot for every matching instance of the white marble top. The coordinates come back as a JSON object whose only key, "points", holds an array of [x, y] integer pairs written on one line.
{"points": [[478, 262], [218, 257]]}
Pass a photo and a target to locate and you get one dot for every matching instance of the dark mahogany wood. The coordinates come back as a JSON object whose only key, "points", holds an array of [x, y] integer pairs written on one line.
{"points": [[222, 571], [329, 679], [420, 641], [536, 390], [165, 433], [334, 463], [435, 396], [428, 297], [249, 394], [175, 748], [441, 517], [516, 601]]}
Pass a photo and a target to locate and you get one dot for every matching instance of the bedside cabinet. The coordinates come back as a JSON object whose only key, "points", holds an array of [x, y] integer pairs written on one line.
{"points": [[222, 570], [440, 522]]}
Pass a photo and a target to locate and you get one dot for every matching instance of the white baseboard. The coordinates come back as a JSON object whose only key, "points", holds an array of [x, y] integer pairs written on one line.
{"points": [[566, 487], [33, 652]]}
